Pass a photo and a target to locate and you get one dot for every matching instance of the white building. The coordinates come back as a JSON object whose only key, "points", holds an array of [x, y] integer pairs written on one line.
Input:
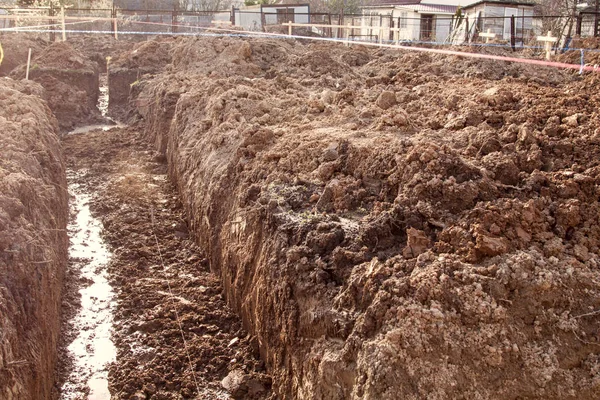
{"points": [[257, 17], [424, 21]]}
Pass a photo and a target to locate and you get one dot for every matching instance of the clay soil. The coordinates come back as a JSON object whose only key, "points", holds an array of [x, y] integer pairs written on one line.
{"points": [[33, 241], [392, 224], [161, 279], [314, 221]]}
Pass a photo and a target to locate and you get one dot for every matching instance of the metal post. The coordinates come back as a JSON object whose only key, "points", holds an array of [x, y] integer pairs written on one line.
{"points": [[512, 32], [174, 19], [52, 34], [578, 26]]}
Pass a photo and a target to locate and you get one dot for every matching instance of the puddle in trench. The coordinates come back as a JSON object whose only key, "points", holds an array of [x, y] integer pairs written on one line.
{"points": [[92, 350], [103, 107]]}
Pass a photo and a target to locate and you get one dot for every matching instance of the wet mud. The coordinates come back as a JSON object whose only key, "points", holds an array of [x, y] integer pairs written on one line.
{"points": [[175, 337]]}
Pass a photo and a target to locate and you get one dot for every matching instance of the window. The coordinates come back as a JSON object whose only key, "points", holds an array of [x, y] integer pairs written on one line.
{"points": [[509, 12], [403, 20], [285, 15]]}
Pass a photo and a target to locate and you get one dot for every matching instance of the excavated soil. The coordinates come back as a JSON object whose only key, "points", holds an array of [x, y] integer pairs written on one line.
{"points": [[163, 286], [392, 224], [386, 224], [16, 48], [591, 54], [33, 241], [125, 70], [71, 83]]}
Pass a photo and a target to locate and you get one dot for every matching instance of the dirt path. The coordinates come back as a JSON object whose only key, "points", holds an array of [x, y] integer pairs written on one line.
{"points": [[161, 280]]}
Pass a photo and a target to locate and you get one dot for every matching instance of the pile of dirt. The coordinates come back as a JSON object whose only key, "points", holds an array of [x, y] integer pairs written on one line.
{"points": [[16, 48], [33, 241], [392, 224], [125, 70], [98, 47], [71, 83], [591, 54]]}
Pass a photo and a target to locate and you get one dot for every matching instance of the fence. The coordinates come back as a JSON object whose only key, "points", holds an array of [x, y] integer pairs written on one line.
{"points": [[108, 20], [514, 32]]}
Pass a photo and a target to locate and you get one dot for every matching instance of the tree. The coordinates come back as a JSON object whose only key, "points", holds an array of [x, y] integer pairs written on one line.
{"points": [[205, 5], [560, 16], [344, 6]]}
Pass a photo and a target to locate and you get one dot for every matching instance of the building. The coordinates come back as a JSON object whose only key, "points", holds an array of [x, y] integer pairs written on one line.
{"points": [[419, 21], [256, 18], [495, 16]]}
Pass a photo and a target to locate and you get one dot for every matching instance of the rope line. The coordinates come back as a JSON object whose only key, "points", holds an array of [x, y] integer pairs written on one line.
{"points": [[238, 33], [187, 352], [28, 28]]}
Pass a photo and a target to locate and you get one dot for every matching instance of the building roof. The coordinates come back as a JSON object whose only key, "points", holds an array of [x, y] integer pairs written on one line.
{"points": [[393, 2], [432, 8], [503, 2]]}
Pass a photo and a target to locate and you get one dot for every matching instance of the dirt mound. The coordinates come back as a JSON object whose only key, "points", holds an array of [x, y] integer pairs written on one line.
{"points": [[71, 83], [420, 226], [125, 70], [16, 48], [33, 241], [151, 55], [98, 47]]}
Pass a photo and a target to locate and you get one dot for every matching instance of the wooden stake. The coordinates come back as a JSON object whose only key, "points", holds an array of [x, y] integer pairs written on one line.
{"points": [[28, 64], [348, 31], [289, 28], [62, 17], [115, 26]]}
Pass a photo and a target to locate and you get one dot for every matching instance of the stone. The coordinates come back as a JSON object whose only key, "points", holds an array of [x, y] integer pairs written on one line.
{"points": [[491, 246], [417, 243], [572, 120], [386, 100]]}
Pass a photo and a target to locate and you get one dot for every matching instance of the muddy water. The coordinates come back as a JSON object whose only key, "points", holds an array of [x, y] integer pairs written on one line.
{"points": [[92, 349], [103, 107]]}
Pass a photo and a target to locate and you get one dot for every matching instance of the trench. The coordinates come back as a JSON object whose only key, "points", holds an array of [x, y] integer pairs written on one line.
{"points": [[143, 316], [91, 349]]}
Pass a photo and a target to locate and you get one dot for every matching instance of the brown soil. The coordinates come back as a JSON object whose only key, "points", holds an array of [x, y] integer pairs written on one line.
{"points": [[16, 48], [144, 224], [33, 241], [591, 54], [127, 69], [390, 224], [71, 83], [97, 48]]}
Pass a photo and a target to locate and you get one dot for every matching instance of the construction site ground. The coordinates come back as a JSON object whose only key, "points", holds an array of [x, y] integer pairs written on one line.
{"points": [[278, 218]]}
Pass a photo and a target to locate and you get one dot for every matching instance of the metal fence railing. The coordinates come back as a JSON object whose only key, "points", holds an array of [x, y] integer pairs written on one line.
{"points": [[515, 31]]}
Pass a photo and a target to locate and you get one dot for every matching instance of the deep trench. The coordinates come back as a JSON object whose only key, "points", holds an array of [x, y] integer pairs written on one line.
{"points": [[91, 350], [108, 342]]}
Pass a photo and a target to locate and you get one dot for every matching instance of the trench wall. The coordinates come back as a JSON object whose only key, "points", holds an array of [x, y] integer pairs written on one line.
{"points": [[33, 241], [375, 263]]}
